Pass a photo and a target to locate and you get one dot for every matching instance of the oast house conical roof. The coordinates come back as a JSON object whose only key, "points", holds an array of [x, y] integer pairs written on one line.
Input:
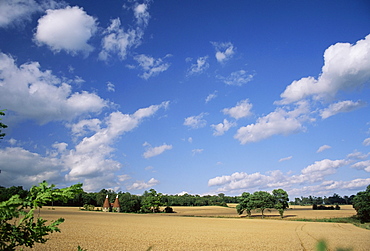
{"points": [[106, 203], [116, 202]]}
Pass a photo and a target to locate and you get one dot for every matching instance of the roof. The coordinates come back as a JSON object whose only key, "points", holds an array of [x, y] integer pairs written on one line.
{"points": [[106, 203], [116, 202]]}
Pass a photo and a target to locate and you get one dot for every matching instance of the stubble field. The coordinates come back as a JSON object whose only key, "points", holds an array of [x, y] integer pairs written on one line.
{"points": [[216, 228]]}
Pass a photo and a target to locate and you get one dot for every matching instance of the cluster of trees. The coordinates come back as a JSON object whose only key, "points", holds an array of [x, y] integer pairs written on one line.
{"points": [[361, 202], [262, 200], [331, 200]]}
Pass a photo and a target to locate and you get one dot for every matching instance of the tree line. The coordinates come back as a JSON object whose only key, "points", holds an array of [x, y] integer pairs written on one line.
{"points": [[129, 203], [335, 199]]}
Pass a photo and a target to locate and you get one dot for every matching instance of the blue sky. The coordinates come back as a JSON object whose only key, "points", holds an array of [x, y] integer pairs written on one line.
{"points": [[203, 97]]}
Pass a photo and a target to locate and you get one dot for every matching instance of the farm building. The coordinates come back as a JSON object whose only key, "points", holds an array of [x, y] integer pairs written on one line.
{"points": [[107, 206]]}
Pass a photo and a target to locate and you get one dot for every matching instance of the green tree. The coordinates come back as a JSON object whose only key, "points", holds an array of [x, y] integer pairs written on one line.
{"points": [[18, 224], [245, 204], [262, 200], [361, 202], [151, 201], [2, 125], [281, 200]]}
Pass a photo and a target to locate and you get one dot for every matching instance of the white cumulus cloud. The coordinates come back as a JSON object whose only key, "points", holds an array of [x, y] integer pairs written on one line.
{"points": [[138, 185], [241, 110], [279, 121], [223, 127], [39, 95], [323, 148], [200, 66], [154, 151], [224, 51], [343, 106], [196, 122], [151, 66], [346, 66], [141, 14], [117, 41], [16, 11], [66, 29], [242, 181], [362, 165]]}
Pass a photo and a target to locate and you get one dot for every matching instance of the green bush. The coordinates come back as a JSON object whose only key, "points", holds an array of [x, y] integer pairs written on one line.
{"points": [[18, 224]]}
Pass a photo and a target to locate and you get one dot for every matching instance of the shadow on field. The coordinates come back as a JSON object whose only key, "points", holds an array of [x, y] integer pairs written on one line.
{"points": [[259, 216]]}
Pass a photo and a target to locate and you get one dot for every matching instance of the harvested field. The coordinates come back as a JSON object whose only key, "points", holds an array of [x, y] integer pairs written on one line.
{"points": [[114, 231], [304, 212]]}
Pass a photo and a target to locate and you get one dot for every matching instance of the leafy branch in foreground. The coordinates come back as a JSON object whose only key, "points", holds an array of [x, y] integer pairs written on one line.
{"points": [[19, 226]]}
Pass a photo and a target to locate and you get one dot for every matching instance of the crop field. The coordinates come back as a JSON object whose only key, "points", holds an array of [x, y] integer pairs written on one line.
{"points": [[217, 228]]}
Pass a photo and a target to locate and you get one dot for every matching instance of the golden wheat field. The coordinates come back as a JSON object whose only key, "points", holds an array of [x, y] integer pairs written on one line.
{"points": [[119, 231]]}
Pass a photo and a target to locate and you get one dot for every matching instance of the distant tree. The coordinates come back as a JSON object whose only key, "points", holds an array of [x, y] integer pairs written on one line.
{"points": [[18, 224], [2, 125], [262, 200], [151, 201], [281, 200], [245, 204], [361, 202], [7, 193], [129, 203]]}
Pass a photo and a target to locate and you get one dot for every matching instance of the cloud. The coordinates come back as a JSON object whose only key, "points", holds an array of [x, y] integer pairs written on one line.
{"points": [[357, 155], [285, 159], [362, 165], [16, 11], [343, 106], [85, 126], [66, 29], [41, 96], [196, 122], [197, 151], [279, 121], [323, 148], [346, 66], [223, 127], [211, 96], [241, 110], [200, 66], [154, 151], [117, 41], [139, 185], [141, 14], [366, 142], [92, 157], [322, 168], [241, 181], [224, 51], [110, 87], [237, 78], [25, 168], [151, 66]]}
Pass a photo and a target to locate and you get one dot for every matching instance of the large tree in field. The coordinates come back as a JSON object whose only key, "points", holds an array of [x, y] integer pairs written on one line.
{"points": [[151, 201], [262, 200], [245, 204], [281, 200], [361, 202]]}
